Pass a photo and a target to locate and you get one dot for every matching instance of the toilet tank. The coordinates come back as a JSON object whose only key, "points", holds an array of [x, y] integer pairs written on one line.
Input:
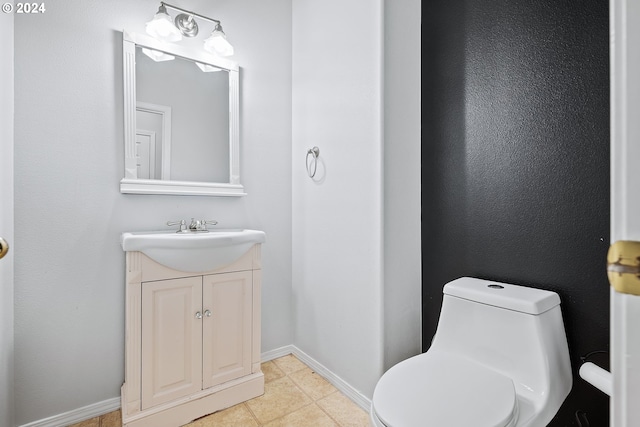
{"points": [[515, 330]]}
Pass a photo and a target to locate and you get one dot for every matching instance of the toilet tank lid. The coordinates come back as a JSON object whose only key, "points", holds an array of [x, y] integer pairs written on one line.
{"points": [[504, 295]]}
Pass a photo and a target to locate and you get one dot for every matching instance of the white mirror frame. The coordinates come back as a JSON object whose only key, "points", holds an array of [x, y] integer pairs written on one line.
{"points": [[130, 184]]}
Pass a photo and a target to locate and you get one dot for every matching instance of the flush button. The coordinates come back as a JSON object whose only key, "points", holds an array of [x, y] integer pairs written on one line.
{"points": [[495, 286]]}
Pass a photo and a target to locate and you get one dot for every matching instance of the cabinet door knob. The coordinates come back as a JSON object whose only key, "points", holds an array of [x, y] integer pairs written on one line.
{"points": [[198, 315], [207, 313]]}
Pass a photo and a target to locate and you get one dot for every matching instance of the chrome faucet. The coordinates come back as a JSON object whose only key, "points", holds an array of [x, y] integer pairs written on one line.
{"points": [[196, 226]]}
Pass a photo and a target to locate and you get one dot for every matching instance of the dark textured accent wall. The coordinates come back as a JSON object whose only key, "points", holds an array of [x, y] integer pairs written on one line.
{"points": [[515, 153]]}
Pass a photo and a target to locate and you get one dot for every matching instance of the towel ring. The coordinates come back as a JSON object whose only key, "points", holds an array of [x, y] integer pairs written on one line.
{"points": [[315, 153]]}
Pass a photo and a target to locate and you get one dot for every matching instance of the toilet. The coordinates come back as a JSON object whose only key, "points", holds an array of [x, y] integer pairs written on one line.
{"points": [[499, 358]]}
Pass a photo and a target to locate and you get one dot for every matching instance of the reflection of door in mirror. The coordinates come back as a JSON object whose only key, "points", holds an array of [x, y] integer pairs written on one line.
{"points": [[146, 154], [156, 119]]}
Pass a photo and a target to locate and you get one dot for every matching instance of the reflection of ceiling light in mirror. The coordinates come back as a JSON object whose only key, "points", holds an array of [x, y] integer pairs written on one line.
{"points": [[217, 43], [207, 68], [161, 27], [157, 56]]}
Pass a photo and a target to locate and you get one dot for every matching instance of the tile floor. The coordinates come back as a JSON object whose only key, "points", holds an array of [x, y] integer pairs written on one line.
{"points": [[295, 396]]}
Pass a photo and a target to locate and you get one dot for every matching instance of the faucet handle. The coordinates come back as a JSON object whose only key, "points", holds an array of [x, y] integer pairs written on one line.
{"points": [[182, 223], [205, 222]]}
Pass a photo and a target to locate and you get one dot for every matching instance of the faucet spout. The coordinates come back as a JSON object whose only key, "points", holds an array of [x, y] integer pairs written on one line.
{"points": [[198, 225]]}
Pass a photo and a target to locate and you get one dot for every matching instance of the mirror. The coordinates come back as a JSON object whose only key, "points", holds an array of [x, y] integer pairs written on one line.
{"points": [[181, 120]]}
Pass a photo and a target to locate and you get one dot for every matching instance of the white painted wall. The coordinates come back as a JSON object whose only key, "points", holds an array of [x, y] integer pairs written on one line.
{"points": [[69, 267], [337, 219], [402, 181], [6, 219]]}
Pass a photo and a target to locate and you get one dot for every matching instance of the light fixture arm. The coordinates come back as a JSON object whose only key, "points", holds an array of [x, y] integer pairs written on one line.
{"points": [[190, 13]]}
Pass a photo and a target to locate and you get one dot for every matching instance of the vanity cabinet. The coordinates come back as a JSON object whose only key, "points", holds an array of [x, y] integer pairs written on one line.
{"points": [[192, 340]]}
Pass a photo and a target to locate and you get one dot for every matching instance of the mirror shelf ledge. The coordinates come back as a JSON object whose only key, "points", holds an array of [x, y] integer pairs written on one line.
{"points": [[179, 188]]}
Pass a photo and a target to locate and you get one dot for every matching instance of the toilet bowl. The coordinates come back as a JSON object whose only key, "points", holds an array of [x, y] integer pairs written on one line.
{"points": [[499, 358]]}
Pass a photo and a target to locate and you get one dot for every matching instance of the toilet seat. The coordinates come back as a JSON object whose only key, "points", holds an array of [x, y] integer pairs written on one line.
{"points": [[438, 389]]}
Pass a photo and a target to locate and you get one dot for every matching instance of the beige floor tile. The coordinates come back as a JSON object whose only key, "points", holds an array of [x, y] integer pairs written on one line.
{"points": [[291, 388], [344, 411], [271, 371], [289, 364], [112, 419], [93, 422], [281, 397], [236, 416], [312, 383], [309, 416]]}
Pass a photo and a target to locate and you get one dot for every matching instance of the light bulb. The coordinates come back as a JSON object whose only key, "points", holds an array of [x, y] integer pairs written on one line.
{"points": [[217, 43], [161, 27]]}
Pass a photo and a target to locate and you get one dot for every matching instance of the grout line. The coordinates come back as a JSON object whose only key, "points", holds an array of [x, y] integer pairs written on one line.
{"points": [[251, 413], [328, 414], [288, 376], [313, 401]]}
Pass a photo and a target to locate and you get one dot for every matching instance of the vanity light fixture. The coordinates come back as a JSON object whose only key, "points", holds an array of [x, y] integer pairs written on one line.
{"points": [[162, 28]]}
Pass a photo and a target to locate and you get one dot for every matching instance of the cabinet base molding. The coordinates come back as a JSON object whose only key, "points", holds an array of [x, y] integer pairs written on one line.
{"points": [[183, 411]]}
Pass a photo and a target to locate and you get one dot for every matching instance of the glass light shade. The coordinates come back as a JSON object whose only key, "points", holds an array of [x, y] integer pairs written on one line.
{"points": [[217, 43], [157, 56], [206, 68], [161, 27]]}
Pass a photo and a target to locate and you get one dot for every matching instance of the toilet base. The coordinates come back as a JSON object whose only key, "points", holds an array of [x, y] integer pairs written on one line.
{"points": [[374, 421]]}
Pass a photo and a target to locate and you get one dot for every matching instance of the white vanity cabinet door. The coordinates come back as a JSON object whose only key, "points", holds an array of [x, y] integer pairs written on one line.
{"points": [[171, 339], [227, 326]]}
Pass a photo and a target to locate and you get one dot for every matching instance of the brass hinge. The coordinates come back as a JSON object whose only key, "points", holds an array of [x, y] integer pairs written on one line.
{"points": [[4, 247], [623, 267]]}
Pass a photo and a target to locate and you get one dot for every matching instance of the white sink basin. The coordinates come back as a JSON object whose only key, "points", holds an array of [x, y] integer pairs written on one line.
{"points": [[192, 252]]}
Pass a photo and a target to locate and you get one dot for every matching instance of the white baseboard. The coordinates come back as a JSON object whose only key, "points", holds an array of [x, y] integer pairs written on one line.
{"points": [[278, 352], [77, 415], [353, 394], [109, 405]]}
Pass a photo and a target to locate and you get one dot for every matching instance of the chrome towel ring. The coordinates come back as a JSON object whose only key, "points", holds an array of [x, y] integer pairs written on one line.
{"points": [[314, 153]]}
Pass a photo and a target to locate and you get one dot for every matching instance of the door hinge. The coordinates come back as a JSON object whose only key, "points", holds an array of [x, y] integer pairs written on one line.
{"points": [[623, 267], [4, 247]]}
